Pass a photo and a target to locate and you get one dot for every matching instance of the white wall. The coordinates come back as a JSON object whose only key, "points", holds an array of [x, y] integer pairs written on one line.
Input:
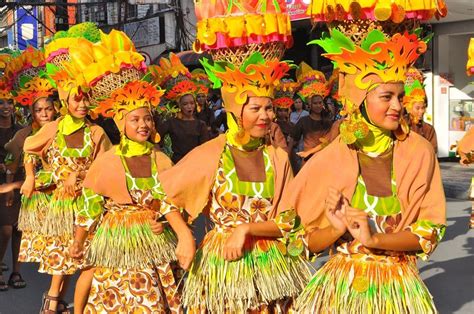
{"points": [[450, 57]]}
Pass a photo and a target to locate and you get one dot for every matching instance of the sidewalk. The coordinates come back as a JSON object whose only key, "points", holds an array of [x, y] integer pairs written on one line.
{"points": [[456, 179]]}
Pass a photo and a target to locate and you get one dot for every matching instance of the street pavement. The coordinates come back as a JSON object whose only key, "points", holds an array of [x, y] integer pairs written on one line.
{"points": [[449, 274]]}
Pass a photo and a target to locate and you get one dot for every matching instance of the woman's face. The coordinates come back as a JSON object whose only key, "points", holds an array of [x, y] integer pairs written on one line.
{"points": [[317, 104], [201, 99], [139, 125], [78, 106], [187, 105], [418, 110], [282, 114], [43, 111], [257, 115], [384, 105], [298, 104], [6, 108]]}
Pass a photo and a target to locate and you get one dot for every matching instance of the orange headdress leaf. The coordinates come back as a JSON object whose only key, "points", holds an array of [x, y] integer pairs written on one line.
{"points": [[256, 77], [33, 90]]}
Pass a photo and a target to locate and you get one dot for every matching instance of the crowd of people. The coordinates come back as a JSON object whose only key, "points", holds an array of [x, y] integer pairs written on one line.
{"points": [[116, 159]]}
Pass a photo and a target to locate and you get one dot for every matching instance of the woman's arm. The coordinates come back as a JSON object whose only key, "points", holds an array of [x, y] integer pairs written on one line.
{"points": [[186, 247], [28, 186], [358, 225]]}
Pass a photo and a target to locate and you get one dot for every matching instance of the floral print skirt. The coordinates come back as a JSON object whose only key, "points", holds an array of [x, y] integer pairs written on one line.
{"points": [[149, 290]]}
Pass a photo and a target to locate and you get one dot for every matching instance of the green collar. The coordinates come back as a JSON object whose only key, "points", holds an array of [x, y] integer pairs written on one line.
{"points": [[129, 148]]}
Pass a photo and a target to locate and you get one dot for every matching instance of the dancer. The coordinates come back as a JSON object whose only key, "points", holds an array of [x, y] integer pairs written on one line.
{"points": [[122, 191], [203, 110], [386, 190], [35, 93], [282, 103], [248, 261], [315, 130], [67, 147], [10, 201], [465, 147], [414, 102]]}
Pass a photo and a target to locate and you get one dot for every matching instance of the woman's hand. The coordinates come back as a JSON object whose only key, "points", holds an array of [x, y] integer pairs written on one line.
{"points": [[76, 250], [186, 249], [156, 227], [333, 208], [70, 184], [234, 246], [357, 223], [28, 186]]}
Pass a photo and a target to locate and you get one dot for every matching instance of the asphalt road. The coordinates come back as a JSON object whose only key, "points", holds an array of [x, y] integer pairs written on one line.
{"points": [[449, 274]]}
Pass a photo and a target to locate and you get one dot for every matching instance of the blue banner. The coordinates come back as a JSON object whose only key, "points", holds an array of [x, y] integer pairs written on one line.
{"points": [[26, 27]]}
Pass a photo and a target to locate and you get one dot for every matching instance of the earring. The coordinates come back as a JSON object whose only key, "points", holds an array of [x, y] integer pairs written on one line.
{"points": [[241, 137]]}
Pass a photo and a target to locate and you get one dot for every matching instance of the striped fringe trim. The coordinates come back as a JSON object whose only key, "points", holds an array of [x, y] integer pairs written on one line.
{"points": [[59, 219], [264, 274], [346, 285], [32, 211], [127, 241]]}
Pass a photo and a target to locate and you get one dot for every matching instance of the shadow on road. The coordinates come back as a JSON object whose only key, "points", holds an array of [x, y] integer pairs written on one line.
{"points": [[452, 284]]}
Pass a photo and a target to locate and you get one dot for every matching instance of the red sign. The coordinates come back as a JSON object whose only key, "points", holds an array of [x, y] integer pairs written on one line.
{"points": [[297, 9]]}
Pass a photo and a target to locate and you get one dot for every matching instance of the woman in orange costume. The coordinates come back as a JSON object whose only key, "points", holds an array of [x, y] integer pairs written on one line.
{"points": [[248, 262], [465, 147], [67, 147], [414, 102], [384, 205], [122, 191], [35, 93], [10, 201]]}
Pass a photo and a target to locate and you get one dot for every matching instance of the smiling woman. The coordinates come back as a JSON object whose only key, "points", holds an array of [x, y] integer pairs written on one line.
{"points": [[386, 190]]}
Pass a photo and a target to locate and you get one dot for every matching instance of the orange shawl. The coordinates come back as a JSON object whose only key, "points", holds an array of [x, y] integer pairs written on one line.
{"points": [[39, 143], [106, 176], [417, 174], [188, 184]]}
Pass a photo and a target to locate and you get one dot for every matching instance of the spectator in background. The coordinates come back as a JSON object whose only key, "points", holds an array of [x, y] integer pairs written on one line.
{"points": [[203, 109], [185, 130]]}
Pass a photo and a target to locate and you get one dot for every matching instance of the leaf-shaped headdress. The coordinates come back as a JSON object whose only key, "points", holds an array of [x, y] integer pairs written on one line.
{"points": [[174, 77]]}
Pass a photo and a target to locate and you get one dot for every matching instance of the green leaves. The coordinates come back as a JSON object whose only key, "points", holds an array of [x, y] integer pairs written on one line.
{"points": [[334, 42], [211, 69], [373, 37]]}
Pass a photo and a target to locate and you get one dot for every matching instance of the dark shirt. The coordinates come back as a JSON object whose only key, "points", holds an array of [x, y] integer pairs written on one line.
{"points": [[9, 215], [311, 131], [185, 135], [286, 127]]}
